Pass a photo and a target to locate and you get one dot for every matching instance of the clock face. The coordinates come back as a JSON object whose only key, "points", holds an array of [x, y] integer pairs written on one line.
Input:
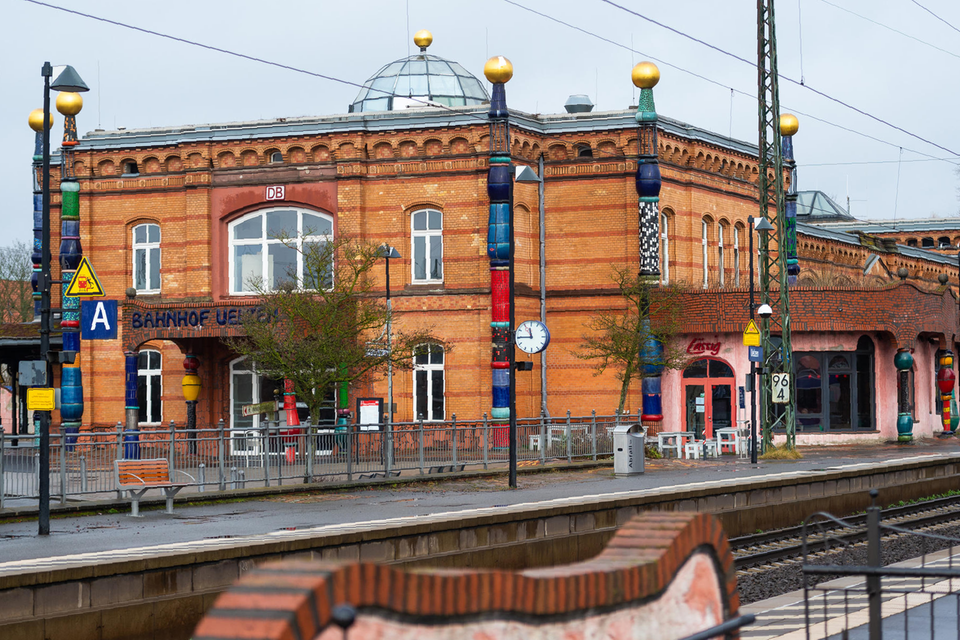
{"points": [[532, 336]]}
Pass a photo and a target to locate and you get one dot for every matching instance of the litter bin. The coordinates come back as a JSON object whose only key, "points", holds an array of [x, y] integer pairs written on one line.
{"points": [[131, 444], [629, 441]]}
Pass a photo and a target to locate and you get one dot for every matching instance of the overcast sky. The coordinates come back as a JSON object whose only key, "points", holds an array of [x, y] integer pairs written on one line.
{"points": [[140, 80]]}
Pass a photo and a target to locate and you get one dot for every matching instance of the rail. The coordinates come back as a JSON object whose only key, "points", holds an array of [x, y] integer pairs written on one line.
{"points": [[223, 458]]}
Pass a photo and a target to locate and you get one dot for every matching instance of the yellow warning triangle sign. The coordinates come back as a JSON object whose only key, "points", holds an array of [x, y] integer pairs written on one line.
{"points": [[751, 335], [85, 283]]}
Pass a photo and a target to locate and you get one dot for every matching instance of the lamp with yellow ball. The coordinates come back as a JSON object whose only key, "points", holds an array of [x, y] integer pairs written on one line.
{"points": [[789, 125]]}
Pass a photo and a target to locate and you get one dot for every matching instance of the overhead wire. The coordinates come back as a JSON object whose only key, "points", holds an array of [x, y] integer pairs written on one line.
{"points": [[694, 74], [889, 28], [426, 102], [781, 76], [935, 16]]}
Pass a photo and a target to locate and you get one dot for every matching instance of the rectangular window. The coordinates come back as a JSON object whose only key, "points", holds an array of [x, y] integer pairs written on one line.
{"points": [[146, 258], [427, 241], [428, 383]]}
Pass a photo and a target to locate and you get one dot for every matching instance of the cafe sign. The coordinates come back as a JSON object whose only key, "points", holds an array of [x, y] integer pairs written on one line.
{"points": [[703, 347]]}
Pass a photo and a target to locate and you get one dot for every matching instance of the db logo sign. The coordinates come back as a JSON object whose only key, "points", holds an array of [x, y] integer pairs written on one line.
{"points": [[274, 193]]}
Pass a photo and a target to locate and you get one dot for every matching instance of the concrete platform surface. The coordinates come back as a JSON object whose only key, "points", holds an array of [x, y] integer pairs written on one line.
{"points": [[226, 519]]}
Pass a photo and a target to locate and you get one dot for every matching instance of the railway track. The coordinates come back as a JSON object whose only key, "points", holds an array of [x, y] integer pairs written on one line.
{"points": [[782, 544]]}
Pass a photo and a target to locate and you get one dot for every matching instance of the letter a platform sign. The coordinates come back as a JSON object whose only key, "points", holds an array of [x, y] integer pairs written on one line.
{"points": [[84, 283], [751, 335], [98, 320]]}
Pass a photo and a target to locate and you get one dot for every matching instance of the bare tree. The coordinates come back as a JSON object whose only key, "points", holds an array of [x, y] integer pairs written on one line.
{"points": [[16, 294], [327, 327], [637, 340]]}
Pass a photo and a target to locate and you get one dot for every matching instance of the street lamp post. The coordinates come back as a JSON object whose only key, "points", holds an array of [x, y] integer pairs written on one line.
{"points": [[389, 252], [67, 80], [763, 226]]}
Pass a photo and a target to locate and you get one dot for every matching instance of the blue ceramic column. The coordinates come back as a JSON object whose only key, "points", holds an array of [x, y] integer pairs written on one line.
{"points": [[903, 361], [789, 125]]}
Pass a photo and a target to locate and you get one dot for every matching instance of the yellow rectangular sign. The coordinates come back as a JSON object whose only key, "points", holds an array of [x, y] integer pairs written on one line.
{"points": [[41, 399]]}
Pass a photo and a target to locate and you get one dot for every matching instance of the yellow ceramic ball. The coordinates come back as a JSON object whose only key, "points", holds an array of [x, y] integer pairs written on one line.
{"points": [[69, 103], [645, 75], [36, 120], [789, 124], [498, 69], [423, 38]]}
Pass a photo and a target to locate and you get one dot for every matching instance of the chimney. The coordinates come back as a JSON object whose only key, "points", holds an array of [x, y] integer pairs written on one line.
{"points": [[578, 103]]}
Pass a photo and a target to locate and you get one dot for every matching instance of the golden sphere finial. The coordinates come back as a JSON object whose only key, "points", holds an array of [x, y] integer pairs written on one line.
{"points": [[645, 75], [36, 120], [423, 39], [789, 124], [69, 103], [498, 69]]}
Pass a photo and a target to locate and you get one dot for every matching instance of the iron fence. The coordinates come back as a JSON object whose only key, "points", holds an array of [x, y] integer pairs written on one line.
{"points": [[856, 597], [221, 458]]}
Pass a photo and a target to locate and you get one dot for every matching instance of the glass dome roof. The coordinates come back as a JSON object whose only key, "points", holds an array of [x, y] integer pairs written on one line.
{"points": [[423, 77]]}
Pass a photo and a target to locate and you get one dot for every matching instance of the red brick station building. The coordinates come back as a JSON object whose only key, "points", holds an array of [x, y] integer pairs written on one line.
{"points": [[176, 219]]}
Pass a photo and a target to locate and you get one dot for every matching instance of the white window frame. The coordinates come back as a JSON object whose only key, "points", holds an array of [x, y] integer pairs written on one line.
{"points": [[706, 264], [150, 249], [264, 242], [426, 234], [720, 263], [430, 367], [664, 249], [736, 256], [149, 374]]}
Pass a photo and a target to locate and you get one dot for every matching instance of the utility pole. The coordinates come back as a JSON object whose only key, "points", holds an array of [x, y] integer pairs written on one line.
{"points": [[774, 291]]}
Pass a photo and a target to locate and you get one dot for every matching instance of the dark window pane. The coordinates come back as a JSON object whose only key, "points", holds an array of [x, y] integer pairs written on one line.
{"points": [[436, 258], [153, 233], [696, 369], [437, 390], [140, 233], [143, 360], [155, 268], [249, 229], [864, 391], [154, 359], [722, 407], [839, 362], [140, 269], [155, 405], [720, 369], [436, 220], [282, 224], [436, 354], [422, 355], [420, 258], [840, 401], [142, 398], [420, 221], [420, 392]]}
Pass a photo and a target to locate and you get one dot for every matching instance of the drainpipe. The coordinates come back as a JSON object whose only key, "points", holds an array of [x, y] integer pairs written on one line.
{"points": [[543, 291]]}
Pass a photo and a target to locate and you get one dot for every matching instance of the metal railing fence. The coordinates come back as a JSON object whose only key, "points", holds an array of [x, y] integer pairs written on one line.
{"points": [[221, 458], [855, 596]]}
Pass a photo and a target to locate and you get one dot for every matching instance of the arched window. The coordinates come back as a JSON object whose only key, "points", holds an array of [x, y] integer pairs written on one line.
{"points": [[276, 158], [705, 230], [276, 246], [664, 249], [943, 242], [911, 242], [927, 243], [720, 263], [584, 151], [150, 386], [146, 258], [427, 240], [428, 382], [737, 237]]}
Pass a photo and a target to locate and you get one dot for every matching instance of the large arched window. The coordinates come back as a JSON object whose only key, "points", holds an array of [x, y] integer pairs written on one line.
{"points": [[150, 386], [428, 382], [427, 239], [146, 258], [276, 246]]}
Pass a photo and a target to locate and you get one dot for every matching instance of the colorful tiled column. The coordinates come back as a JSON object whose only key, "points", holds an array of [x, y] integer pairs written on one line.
{"points": [[946, 379], [36, 256], [498, 71], [130, 390], [71, 252], [903, 361], [789, 125], [645, 76]]}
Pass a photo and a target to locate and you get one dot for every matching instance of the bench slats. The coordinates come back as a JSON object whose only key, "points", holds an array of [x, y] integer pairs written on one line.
{"points": [[143, 472]]}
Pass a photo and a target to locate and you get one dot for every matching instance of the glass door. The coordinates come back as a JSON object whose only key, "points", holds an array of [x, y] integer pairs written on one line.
{"points": [[720, 415], [696, 409]]}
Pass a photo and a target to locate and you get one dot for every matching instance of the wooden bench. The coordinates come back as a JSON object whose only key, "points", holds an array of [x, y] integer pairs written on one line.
{"points": [[139, 476]]}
